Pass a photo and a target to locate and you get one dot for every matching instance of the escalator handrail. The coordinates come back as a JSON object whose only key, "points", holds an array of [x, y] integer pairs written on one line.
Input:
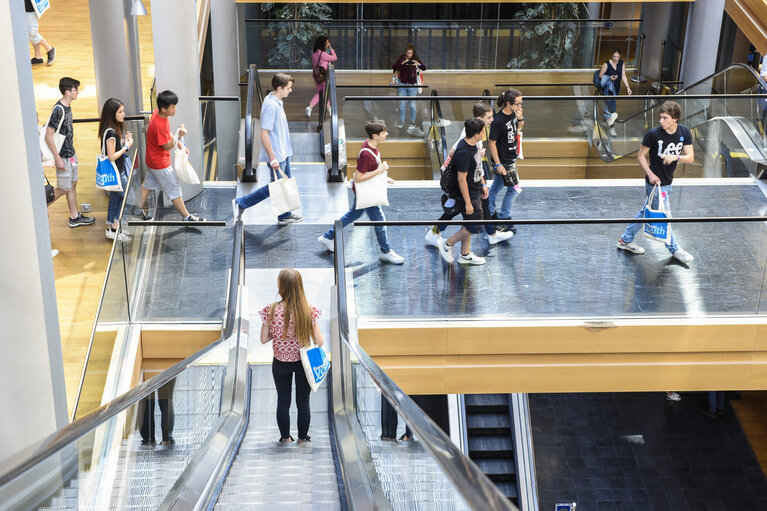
{"points": [[70, 433], [248, 171], [473, 485], [436, 111], [334, 125]]}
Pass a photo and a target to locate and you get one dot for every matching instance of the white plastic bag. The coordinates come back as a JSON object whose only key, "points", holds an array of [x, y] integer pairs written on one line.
{"points": [[284, 194], [184, 170], [657, 231], [316, 365]]}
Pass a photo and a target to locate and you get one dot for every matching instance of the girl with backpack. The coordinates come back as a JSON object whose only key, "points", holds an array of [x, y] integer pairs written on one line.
{"points": [[322, 55]]}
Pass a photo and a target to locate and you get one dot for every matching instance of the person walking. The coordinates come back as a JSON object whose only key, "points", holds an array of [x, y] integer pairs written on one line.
{"points": [[65, 159], [469, 190], [502, 143], [484, 113], [664, 146], [322, 55], [115, 143], [33, 26], [160, 175], [369, 165], [611, 74], [407, 67], [289, 324]]}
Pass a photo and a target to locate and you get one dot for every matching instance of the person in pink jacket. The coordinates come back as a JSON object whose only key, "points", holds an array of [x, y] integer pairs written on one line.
{"points": [[322, 55]]}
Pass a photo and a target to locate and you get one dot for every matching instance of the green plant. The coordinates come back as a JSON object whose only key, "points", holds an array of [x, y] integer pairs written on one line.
{"points": [[551, 43], [292, 37]]}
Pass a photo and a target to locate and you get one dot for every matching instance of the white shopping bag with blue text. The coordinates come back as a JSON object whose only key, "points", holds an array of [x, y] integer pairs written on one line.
{"points": [[654, 230], [316, 365]]}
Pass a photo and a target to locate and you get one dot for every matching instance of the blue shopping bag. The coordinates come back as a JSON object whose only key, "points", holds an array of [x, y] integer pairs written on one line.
{"points": [[656, 230], [107, 176], [316, 365]]}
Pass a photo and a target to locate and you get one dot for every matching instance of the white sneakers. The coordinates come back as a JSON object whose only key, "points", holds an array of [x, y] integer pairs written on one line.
{"points": [[308, 111], [122, 237], [682, 256], [432, 238], [391, 257], [327, 243], [445, 251], [499, 236], [631, 247], [471, 259], [612, 118]]}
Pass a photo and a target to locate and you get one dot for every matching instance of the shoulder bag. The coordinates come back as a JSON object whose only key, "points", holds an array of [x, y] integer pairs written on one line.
{"points": [[284, 194], [373, 191], [107, 175], [58, 138]]}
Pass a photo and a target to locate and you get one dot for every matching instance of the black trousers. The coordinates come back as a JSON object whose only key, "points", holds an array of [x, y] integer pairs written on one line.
{"points": [[450, 213], [435, 406], [389, 420], [282, 372], [167, 416]]}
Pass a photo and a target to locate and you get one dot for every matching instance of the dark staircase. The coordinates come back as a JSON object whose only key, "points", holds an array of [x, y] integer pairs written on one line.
{"points": [[490, 439]]}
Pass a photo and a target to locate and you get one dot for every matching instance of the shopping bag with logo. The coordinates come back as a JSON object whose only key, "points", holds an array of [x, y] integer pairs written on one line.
{"points": [[520, 156], [284, 194], [316, 365], [107, 175], [419, 79], [184, 170], [58, 138], [373, 191], [656, 230]]}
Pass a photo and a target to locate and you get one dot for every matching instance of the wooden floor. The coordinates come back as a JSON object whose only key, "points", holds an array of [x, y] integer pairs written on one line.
{"points": [[83, 252]]}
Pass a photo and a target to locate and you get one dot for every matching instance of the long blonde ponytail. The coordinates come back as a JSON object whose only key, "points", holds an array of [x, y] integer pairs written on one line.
{"points": [[290, 285]]}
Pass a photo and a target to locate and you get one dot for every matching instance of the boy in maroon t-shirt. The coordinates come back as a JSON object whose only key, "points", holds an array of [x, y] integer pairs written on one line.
{"points": [[160, 174], [369, 165]]}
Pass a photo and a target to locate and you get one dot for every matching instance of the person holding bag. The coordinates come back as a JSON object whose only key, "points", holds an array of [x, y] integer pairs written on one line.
{"points": [[291, 324], [369, 165], [664, 146], [407, 69], [112, 128], [322, 55]]}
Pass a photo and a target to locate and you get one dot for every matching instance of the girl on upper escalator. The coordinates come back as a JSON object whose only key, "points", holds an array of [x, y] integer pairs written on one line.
{"points": [[611, 74], [407, 68], [322, 55]]}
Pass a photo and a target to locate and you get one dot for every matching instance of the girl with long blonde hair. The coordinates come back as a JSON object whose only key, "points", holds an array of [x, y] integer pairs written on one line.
{"points": [[291, 324]]}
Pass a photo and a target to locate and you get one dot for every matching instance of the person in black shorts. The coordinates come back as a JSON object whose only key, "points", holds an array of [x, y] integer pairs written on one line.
{"points": [[470, 189]]}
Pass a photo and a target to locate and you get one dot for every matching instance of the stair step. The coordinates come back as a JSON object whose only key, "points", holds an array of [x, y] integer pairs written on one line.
{"points": [[488, 424], [491, 446], [508, 489], [498, 469]]}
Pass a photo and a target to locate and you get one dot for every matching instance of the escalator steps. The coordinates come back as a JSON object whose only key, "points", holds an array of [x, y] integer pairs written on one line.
{"points": [[498, 469], [488, 423], [491, 446]]}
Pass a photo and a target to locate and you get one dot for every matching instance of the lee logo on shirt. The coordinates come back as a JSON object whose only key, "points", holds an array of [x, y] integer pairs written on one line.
{"points": [[671, 149]]}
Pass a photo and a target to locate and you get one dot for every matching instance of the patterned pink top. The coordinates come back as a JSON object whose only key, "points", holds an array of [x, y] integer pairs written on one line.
{"points": [[287, 349]]}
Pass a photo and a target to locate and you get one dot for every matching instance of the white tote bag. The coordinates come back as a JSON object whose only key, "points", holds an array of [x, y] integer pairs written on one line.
{"points": [[58, 138], [373, 191], [184, 170], [284, 194]]}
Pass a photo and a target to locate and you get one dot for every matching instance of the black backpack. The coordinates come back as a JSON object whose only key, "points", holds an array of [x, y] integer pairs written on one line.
{"points": [[597, 80], [449, 180]]}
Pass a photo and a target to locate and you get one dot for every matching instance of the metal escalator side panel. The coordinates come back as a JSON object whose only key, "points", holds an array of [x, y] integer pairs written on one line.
{"points": [[524, 455]]}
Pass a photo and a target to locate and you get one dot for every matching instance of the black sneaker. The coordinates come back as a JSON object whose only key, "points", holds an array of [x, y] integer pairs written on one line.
{"points": [[143, 216], [81, 220], [37, 61], [194, 218], [51, 56]]}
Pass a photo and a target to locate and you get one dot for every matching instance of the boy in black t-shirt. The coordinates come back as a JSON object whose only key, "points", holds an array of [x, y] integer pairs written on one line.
{"points": [[665, 145], [472, 187], [502, 144]]}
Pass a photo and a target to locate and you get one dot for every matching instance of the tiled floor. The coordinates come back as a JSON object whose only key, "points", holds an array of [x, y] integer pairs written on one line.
{"points": [[639, 452]]}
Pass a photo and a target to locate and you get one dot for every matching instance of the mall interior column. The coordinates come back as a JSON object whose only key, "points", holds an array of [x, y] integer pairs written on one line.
{"points": [[655, 25], [702, 42], [177, 68], [33, 397], [226, 79]]}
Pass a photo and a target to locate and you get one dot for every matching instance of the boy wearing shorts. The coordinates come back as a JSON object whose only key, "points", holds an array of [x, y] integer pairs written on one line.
{"points": [[160, 175], [65, 158]]}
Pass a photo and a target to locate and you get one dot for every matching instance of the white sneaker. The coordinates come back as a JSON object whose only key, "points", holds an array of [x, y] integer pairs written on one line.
{"points": [[327, 243], [673, 396], [612, 118], [499, 236], [631, 247], [682, 256], [411, 126], [308, 111], [292, 219], [391, 257], [471, 259], [111, 234], [445, 251], [54, 253], [613, 133], [432, 238]]}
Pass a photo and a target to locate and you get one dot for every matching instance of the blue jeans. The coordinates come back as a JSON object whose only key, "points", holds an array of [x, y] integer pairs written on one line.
{"points": [[375, 213], [116, 201], [632, 229], [715, 401], [407, 91], [508, 199], [253, 197], [608, 89]]}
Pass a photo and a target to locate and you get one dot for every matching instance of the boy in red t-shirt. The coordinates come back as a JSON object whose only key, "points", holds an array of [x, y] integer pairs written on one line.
{"points": [[160, 175], [369, 165]]}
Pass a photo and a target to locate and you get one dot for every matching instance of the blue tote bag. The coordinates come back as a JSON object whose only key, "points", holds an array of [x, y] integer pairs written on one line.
{"points": [[658, 231], [107, 175], [316, 365]]}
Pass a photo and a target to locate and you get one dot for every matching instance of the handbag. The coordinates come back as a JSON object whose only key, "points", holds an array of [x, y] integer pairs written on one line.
{"points": [[657, 231], [511, 177], [284, 194], [373, 191], [316, 365], [58, 138], [184, 170], [394, 81], [50, 195], [107, 175]]}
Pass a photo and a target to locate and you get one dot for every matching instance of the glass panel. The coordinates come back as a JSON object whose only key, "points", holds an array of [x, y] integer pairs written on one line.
{"points": [[209, 141], [444, 44], [110, 465]]}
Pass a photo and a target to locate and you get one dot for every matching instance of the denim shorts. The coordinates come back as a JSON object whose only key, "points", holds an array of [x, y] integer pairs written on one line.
{"points": [[163, 180]]}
